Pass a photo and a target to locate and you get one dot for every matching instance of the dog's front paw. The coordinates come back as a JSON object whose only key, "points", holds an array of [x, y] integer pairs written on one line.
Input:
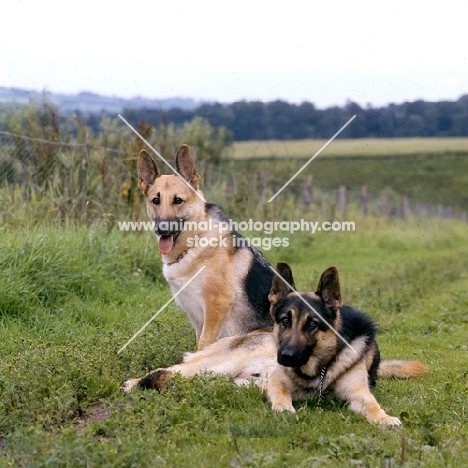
{"points": [[129, 384], [280, 407], [390, 421]]}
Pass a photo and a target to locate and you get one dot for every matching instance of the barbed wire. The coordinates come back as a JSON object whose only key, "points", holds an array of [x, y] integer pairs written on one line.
{"points": [[59, 143]]}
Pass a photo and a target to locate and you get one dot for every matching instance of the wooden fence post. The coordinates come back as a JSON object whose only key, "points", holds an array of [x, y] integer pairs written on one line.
{"points": [[83, 178], [385, 206], [308, 191], [405, 209], [262, 183], [363, 200], [342, 200], [440, 211]]}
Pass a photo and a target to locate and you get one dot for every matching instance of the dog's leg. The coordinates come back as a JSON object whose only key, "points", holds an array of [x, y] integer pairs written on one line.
{"points": [[363, 402], [216, 311], [278, 392], [219, 358], [354, 387], [157, 379], [154, 379], [209, 333]]}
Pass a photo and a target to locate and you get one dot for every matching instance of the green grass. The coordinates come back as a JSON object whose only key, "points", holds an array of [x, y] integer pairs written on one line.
{"points": [[425, 178], [426, 170], [70, 298]]}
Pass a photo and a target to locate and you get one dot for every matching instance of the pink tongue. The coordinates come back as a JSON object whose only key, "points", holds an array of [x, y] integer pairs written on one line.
{"points": [[166, 244]]}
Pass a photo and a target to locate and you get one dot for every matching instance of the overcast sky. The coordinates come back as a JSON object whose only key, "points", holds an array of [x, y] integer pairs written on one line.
{"points": [[326, 53]]}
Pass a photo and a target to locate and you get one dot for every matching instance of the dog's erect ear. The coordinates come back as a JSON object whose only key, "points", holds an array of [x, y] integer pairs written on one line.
{"points": [[148, 171], [185, 165], [329, 289], [279, 289]]}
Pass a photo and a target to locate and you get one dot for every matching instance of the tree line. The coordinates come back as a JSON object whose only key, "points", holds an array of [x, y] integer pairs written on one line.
{"points": [[281, 120]]}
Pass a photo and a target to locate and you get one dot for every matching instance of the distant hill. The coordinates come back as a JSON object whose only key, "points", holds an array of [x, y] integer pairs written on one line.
{"points": [[280, 120], [92, 103], [276, 120]]}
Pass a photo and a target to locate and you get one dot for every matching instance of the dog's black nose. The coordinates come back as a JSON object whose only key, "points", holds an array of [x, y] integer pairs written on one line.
{"points": [[163, 228], [167, 227], [287, 357]]}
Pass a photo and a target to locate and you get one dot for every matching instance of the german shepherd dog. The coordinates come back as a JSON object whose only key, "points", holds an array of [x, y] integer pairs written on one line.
{"points": [[318, 346], [230, 296]]}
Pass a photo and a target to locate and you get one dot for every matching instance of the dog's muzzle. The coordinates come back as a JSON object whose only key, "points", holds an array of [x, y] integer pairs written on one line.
{"points": [[290, 357], [167, 228], [167, 232]]}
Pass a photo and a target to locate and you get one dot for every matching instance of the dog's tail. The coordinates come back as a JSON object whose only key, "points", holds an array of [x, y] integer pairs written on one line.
{"points": [[393, 368]]}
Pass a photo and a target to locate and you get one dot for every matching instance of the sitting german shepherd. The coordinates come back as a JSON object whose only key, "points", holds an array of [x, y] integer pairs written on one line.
{"points": [[230, 296], [318, 345]]}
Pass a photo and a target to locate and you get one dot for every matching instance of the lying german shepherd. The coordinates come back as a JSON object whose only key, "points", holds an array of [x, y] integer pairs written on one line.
{"points": [[230, 296], [318, 345]]}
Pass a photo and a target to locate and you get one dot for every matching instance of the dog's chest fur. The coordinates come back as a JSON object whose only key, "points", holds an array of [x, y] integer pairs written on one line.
{"points": [[194, 298]]}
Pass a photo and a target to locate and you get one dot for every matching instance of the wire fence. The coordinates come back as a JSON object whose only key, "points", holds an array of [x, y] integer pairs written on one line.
{"points": [[64, 180], [78, 181]]}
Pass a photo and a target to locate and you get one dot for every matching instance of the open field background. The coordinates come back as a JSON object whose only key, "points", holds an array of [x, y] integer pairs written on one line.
{"points": [[70, 298], [344, 147], [426, 170]]}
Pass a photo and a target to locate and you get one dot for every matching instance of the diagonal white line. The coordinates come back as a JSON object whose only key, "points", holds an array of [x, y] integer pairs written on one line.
{"points": [[161, 309], [311, 308], [162, 158], [312, 158]]}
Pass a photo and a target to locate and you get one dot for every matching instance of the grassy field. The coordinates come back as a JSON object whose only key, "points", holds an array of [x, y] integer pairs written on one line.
{"points": [[369, 147], [427, 171], [71, 298]]}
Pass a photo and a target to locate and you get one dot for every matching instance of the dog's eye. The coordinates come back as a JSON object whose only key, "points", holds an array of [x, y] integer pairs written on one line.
{"points": [[311, 324], [178, 200], [285, 321], [155, 201]]}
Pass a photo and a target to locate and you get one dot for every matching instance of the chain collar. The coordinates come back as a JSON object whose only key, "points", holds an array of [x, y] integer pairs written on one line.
{"points": [[322, 378], [322, 374], [180, 257]]}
